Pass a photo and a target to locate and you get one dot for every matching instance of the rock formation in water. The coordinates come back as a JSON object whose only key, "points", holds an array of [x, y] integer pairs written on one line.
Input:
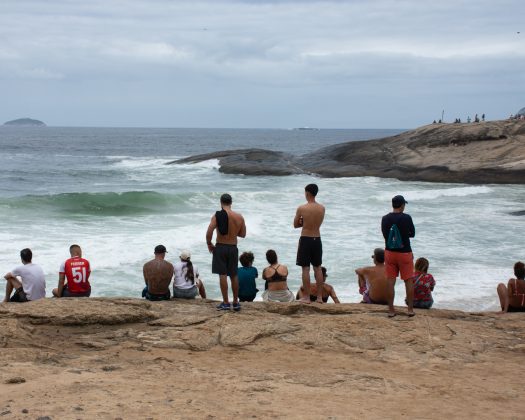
{"points": [[475, 153], [25, 122]]}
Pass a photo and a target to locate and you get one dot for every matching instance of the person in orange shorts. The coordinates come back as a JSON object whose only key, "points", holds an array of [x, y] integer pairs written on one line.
{"points": [[398, 228]]}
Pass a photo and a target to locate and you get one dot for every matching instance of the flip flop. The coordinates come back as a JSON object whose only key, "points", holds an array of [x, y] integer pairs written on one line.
{"points": [[411, 314], [391, 315]]}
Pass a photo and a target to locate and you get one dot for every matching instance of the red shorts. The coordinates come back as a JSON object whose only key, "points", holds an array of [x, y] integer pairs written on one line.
{"points": [[399, 262]]}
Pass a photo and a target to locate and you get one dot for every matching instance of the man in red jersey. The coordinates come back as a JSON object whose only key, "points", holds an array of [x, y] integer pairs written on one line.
{"points": [[75, 271]]}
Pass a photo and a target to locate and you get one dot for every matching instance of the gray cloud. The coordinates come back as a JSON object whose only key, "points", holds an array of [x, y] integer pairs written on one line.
{"points": [[273, 63]]}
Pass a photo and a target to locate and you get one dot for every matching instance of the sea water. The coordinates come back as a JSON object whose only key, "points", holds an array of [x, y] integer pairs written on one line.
{"points": [[112, 192]]}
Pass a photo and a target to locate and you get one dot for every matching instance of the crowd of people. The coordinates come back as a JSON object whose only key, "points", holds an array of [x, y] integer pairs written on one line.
{"points": [[375, 282]]}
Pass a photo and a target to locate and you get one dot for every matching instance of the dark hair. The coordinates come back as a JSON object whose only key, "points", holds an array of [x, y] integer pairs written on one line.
{"points": [[26, 255], [190, 274], [271, 256], [73, 247], [246, 259], [519, 270], [323, 269], [421, 265], [226, 199], [379, 255], [312, 189]]}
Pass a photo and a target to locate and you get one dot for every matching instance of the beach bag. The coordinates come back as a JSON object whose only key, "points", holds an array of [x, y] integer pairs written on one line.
{"points": [[394, 240]]}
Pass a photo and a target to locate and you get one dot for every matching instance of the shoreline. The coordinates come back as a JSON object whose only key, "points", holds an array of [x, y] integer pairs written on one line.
{"points": [[128, 358]]}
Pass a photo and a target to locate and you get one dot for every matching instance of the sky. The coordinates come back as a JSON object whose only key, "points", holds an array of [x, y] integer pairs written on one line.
{"points": [[260, 64]]}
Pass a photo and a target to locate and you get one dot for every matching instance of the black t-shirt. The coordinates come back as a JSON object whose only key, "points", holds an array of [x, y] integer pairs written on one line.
{"points": [[405, 226]]}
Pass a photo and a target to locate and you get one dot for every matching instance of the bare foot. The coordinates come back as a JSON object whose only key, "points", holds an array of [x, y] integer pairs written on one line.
{"points": [[391, 314], [411, 314], [319, 301]]}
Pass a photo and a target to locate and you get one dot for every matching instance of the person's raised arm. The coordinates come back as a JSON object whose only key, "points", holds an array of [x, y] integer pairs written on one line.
{"points": [[209, 233], [361, 279], [298, 219]]}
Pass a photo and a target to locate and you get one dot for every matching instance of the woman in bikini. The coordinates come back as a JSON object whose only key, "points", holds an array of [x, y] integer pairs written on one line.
{"points": [[328, 290], [512, 296], [276, 274]]}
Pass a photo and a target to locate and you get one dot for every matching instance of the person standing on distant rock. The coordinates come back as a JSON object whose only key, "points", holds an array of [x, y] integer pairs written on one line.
{"points": [[309, 217], [398, 228], [27, 280], [229, 226], [73, 277], [157, 276]]}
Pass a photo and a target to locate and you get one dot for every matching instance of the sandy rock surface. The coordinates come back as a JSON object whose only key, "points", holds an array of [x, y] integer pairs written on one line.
{"points": [[127, 358]]}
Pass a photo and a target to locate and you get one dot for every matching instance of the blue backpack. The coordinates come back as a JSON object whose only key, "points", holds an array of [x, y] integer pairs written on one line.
{"points": [[394, 240]]}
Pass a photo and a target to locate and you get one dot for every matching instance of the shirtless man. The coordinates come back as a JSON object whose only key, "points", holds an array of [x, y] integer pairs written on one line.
{"points": [[328, 292], [229, 225], [309, 217], [157, 276], [373, 284]]}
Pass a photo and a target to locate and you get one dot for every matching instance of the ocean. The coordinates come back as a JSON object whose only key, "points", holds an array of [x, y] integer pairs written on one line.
{"points": [[110, 190]]}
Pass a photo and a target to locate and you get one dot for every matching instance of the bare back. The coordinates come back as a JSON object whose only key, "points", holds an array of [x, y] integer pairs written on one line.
{"points": [[312, 215], [158, 274], [236, 227], [377, 282]]}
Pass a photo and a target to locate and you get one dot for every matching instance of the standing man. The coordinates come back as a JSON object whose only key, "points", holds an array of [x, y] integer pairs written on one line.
{"points": [[309, 218], [398, 228], [229, 226], [27, 280], [157, 276], [75, 271]]}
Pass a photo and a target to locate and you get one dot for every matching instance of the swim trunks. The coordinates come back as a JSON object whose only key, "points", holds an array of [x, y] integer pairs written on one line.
{"points": [[278, 296], [67, 293], [153, 297], [309, 252], [225, 259], [399, 263], [367, 299], [19, 296]]}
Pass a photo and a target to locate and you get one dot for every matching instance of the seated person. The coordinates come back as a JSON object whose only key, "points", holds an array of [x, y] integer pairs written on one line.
{"points": [[424, 284], [27, 280], [157, 276], [187, 283], [75, 271], [328, 291], [247, 275], [275, 274], [373, 284], [512, 296]]}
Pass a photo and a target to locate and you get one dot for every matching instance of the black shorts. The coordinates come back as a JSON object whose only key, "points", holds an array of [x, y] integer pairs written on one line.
{"points": [[225, 259], [309, 252], [19, 296], [516, 309], [67, 293]]}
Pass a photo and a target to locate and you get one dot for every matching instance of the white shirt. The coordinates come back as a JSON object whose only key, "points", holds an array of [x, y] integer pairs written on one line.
{"points": [[33, 280], [180, 270]]}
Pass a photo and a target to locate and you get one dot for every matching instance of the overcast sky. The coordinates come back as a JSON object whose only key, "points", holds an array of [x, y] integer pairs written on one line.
{"points": [[282, 64]]}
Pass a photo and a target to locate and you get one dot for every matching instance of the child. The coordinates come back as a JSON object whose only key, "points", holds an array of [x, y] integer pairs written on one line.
{"points": [[424, 284], [247, 275]]}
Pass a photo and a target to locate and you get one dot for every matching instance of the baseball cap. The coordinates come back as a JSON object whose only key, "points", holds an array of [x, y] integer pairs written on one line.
{"points": [[185, 255], [160, 249], [398, 201]]}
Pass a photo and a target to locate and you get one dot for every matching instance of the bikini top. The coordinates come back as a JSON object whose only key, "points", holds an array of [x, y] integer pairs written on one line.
{"points": [[276, 277], [519, 294]]}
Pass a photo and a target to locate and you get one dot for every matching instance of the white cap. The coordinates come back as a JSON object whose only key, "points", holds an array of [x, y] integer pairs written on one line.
{"points": [[185, 255]]}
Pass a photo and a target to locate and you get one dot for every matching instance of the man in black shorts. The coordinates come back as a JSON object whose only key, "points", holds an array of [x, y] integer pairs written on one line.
{"points": [[229, 225], [310, 217]]}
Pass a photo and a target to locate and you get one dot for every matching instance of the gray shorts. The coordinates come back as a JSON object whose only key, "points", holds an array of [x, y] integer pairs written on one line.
{"points": [[225, 259], [185, 293]]}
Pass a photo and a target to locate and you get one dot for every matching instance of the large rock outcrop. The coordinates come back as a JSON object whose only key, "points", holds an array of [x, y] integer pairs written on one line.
{"points": [[475, 153]]}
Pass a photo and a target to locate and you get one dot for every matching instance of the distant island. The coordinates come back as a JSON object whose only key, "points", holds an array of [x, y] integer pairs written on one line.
{"points": [[26, 122]]}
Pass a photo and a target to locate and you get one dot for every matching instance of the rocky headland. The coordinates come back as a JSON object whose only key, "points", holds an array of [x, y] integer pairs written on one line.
{"points": [[128, 358], [475, 153]]}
